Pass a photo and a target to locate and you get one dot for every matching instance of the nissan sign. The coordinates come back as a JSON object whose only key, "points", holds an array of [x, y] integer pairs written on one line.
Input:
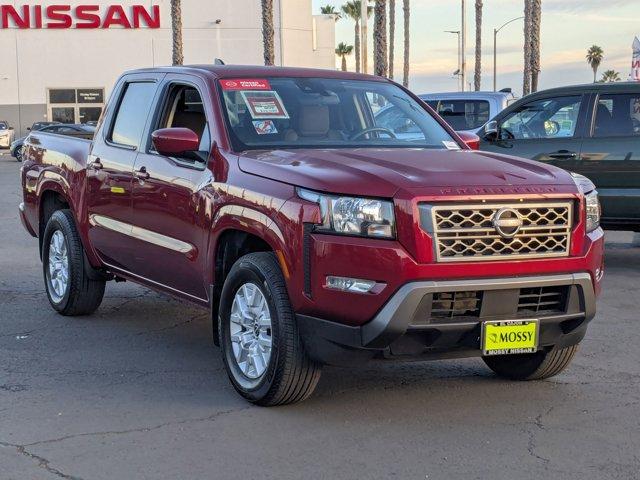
{"points": [[79, 16]]}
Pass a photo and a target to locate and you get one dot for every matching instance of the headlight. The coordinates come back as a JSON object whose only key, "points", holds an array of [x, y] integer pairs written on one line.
{"points": [[592, 207], [592, 204], [367, 217]]}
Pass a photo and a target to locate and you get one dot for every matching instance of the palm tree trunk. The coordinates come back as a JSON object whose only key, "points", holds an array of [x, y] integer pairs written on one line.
{"points": [[595, 74], [176, 32], [344, 63], [356, 46], [268, 32], [380, 39], [407, 11], [526, 80], [478, 70], [392, 34], [536, 14]]}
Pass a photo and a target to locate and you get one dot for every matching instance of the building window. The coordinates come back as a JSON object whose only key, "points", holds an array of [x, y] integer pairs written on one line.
{"points": [[75, 105]]}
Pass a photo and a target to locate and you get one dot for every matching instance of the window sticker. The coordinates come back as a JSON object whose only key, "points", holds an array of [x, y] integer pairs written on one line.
{"points": [[449, 145], [264, 105], [265, 127], [245, 84]]}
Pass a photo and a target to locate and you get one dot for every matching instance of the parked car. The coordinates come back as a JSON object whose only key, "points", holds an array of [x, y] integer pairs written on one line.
{"points": [[593, 130], [270, 196], [40, 125], [6, 134], [71, 130], [468, 111]]}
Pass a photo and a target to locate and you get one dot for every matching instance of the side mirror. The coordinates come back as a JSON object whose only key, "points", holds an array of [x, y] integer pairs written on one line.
{"points": [[470, 139], [28, 129], [490, 131], [175, 141]]}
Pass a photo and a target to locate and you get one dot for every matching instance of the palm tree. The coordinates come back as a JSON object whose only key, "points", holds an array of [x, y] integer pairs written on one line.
{"points": [[176, 32], [352, 10], [594, 58], [268, 32], [478, 68], [610, 76], [405, 74], [330, 10], [392, 34], [536, 18], [380, 38], [526, 80], [342, 51]]}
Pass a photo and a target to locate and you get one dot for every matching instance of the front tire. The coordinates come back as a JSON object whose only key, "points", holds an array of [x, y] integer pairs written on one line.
{"points": [[531, 366], [261, 347], [69, 289]]}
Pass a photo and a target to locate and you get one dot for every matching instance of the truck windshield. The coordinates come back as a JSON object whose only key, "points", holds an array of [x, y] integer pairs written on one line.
{"points": [[268, 113]]}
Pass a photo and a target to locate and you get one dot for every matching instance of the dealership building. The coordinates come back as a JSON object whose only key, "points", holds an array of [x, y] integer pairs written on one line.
{"points": [[61, 58]]}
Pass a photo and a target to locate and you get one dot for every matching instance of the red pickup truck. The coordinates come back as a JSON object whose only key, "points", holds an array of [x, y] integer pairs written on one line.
{"points": [[322, 217]]}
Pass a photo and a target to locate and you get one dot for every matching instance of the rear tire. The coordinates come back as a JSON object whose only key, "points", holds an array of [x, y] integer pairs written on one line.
{"points": [[70, 290], [531, 366], [283, 375]]}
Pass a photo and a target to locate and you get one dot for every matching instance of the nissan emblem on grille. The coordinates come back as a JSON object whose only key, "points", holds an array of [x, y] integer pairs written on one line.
{"points": [[507, 222], [486, 231]]}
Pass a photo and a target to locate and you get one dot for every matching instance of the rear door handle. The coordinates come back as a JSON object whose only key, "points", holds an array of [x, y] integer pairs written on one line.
{"points": [[563, 154], [142, 174]]}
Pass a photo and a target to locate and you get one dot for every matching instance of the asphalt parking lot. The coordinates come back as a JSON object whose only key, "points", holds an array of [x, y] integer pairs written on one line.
{"points": [[137, 391]]}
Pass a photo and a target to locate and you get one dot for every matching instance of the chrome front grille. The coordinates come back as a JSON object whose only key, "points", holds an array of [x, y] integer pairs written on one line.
{"points": [[490, 231]]}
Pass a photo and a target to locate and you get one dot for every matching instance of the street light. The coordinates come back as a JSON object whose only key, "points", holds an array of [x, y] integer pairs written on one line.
{"points": [[495, 35], [459, 70]]}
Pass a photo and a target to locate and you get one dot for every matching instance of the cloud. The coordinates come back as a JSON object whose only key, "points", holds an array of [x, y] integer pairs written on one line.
{"points": [[578, 6]]}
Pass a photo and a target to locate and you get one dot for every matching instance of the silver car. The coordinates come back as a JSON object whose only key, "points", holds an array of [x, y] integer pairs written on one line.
{"points": [[468, 111]]}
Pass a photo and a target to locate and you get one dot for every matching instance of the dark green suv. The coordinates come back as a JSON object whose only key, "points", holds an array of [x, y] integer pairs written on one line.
{"points": [[591, 129]]}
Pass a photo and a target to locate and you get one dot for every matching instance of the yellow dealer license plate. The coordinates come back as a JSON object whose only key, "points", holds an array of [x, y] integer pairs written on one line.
{"points": [[507, 337]]}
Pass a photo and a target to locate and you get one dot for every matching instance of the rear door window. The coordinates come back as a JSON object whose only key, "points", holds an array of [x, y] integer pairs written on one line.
{"points": [[132, 113], [464, 114], [617, 115]]}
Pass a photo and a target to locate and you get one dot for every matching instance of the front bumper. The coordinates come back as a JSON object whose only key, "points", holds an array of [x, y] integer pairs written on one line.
{"points": [[405, 326]]}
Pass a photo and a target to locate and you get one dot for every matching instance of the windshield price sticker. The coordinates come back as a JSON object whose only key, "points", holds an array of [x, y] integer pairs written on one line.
{"points": [[245, 84], [265, 105]]}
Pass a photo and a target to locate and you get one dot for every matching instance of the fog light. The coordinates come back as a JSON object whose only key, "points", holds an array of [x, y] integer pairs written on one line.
{"points": [[354, 285]]}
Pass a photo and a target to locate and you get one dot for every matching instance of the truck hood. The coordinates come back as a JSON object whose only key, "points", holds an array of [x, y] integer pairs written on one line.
{"points": [[382, 172]]}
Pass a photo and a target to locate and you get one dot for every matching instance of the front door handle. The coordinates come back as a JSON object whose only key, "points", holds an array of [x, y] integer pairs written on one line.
{"points": [[142, 174], [563, 154], [96, 164]]}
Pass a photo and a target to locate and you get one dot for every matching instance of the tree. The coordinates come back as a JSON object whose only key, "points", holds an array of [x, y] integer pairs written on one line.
{"points": [[526, 80], [478, 67], [405, 71], [352, 10], [342, 51], [268, 32], [594, 58], [330, 10], [536, 18], [610, 76], [176, 32], [392, 34], [380, 38]]}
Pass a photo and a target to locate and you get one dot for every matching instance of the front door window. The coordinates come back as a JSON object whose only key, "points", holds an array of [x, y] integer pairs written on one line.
{"points": [[547, 118]]}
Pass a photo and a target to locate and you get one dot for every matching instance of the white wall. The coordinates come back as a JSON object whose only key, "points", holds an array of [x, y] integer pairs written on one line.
{"points": [[95, 58]]}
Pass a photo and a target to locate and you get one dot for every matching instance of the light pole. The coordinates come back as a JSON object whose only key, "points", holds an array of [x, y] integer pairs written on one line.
{"points": [[463, 46], [457, 32], [495, 36]]}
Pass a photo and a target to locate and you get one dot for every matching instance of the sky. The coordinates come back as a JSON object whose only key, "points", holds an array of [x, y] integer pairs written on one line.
{"points": [[569, 28]]}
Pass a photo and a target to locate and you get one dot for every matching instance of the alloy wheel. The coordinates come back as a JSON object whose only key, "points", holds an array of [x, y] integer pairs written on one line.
{"points": [[250, 331]]}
